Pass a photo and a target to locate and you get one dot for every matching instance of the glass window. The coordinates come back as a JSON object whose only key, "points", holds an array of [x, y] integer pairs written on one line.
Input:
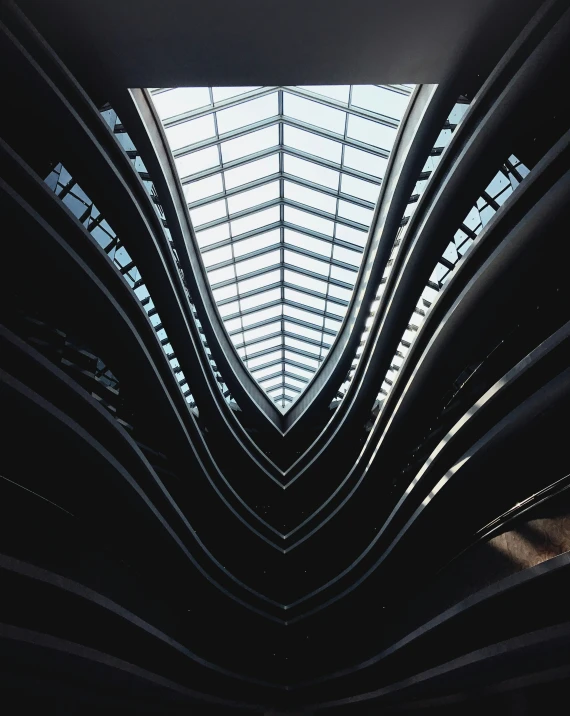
{"points": [[309, 243], [306, 262], [314, 113], [255, 243], [253, 197], [187, 133], [304, 360], [258, 263], [365, 162], [273, 312], [208, 212], [250, 143], [354, 212], [221, 93], [359, 188], [205, 187], [260, 299], [380, 100], [216, 256], [338, 92], [311, 143], [310, 197], [309, 221], [197, 161], [304, 299], [253, 362], [252, 171], [180, 100], [364, 130], [255, 221], [290, 187], [247, 113], [311, 172]]}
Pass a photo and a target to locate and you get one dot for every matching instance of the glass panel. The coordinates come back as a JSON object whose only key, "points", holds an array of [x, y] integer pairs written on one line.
{"points": [[221, 93], [250, 143], [311, 143], [371, 132], [314, 113], [258, 263], [338, 92], [252, 197], [359, 188], [180, 100], [261, 241], [187, 133], [380, 100], [309, 221], [203, 188], [299, 188], [365, 162], [247, 113], [255, 221], [309, 243], [310, 171], [252, 171], [303, 195]]}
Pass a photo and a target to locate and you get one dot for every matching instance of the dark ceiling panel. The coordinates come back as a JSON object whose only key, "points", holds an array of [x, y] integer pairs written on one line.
{"points": [[261, 42]]}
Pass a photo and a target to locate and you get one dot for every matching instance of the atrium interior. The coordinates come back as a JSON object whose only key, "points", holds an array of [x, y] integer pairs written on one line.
{"points": [[285, 368]]}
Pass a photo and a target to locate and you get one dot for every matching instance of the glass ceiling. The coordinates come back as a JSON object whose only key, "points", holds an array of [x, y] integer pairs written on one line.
{"points": [[281, 185]]}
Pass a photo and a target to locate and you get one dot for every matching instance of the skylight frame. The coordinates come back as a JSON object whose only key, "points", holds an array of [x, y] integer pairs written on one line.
{"points": [[287, 177]]}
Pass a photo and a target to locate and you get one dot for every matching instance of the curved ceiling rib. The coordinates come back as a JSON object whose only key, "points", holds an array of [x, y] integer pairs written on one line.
{"points": [[281, 185]]}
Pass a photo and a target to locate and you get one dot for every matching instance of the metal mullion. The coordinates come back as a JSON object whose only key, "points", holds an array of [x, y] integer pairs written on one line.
{"points": [[255, 309], [311, 274], [301, 352], [278, 374], [217, 106], [299, 153], [291, 387], [251, 293], [242, 161], [253, 274], [326, 190], [316, 294], [311, 309], [245, 257], [233, 134], [240, 237], [294, 364], [233, 192], [296, 376], [259, 324], [225, 199], [319, 257], [281, 231], [269, 364], [343, 106], [278, 202], [329, 164], [327, 134], [312, 326], [304, 339], [264, 352], [253, 341], [286, 225], [238, 215], [326, 215], [337, 208]]}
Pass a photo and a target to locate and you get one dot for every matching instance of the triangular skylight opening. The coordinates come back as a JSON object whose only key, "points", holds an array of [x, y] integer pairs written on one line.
{"points": [[281, 184]]}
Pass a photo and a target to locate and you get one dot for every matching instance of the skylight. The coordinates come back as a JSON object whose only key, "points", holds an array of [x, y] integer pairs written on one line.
{"points": [[281, 185]]}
